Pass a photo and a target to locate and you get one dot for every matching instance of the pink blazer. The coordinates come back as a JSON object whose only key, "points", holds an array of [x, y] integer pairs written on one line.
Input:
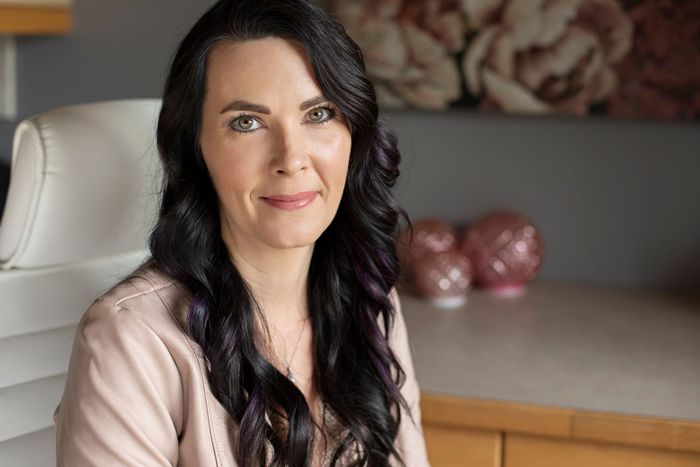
{"points": [[137, 393]]}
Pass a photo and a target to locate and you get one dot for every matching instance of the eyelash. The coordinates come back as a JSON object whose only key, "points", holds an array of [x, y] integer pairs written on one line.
{"points": [[329, 108]]}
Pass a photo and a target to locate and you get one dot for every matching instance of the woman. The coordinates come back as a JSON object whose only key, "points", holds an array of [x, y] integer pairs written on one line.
{"points": [[265, 329]]}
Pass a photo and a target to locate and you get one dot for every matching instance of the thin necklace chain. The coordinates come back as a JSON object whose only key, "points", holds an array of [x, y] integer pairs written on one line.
{"points": [[288, 366]]}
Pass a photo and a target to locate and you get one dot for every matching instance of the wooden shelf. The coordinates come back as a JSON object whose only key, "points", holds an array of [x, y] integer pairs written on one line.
{"points": [[562, 423], [35, 20]]}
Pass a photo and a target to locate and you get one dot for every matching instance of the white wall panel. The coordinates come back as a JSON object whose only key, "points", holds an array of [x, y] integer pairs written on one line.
{"points": [[29, 407], [31, 450], [35, 301], [34, 356]]}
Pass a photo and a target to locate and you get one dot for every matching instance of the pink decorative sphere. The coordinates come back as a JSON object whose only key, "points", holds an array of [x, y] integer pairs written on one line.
{"points": [[505, 250], [444, 278], [429, 236]]}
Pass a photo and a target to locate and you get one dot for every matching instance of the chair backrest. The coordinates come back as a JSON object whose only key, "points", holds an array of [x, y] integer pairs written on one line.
{"points": [[83, 197]]}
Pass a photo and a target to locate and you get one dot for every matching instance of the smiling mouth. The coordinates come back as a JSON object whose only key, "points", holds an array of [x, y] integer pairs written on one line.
{"points": [[291, 202]]}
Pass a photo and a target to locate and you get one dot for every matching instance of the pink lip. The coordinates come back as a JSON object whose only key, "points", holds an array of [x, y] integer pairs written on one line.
{"points": [[291, 202]]}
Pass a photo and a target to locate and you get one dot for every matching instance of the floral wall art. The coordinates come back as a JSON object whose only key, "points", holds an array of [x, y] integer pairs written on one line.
{"points": [[626, 58]]}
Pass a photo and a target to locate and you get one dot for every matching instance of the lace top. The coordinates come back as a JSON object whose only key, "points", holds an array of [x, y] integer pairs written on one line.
{"points": [[327, 439]]}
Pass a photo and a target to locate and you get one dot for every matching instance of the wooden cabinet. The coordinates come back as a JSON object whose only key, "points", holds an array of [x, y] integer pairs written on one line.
{"points": [[530, 451], [467, 432], [455, 447]]}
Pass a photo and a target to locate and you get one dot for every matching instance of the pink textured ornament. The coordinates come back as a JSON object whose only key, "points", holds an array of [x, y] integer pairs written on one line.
{"points": [[444, 278], [429, 236], [505, 250]]}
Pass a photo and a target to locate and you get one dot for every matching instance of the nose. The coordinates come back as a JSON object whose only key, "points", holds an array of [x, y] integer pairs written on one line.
{"points": [[290, 157]]}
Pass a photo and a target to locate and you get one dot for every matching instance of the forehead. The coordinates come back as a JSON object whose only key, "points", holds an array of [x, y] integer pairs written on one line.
{"points": [[258, 67]]}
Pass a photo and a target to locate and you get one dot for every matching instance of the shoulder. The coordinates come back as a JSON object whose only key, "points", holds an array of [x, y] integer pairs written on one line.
{"points": [[395, 301], [128, 339], [147, 301], [397, 337], [144, 284], [124, 379], [398, 327]]}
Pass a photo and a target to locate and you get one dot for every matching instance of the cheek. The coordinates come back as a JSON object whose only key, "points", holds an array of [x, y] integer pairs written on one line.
{"points": [[233, 170], [336, 156]]}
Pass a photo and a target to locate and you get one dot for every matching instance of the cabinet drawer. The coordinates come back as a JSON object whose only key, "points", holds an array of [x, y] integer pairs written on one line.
{"points": [[530, 451], [456, 447]]}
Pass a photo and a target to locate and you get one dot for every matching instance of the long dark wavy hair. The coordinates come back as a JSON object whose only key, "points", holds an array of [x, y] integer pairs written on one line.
{"points": [[353, 267]]}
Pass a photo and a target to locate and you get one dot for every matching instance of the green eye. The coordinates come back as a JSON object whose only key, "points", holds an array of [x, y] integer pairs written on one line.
{"points": [[321, 114], [316, 115], [246, 123], [243, 123]]}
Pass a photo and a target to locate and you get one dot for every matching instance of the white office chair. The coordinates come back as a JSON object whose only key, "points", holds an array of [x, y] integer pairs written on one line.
{"points": [[82, 199]]}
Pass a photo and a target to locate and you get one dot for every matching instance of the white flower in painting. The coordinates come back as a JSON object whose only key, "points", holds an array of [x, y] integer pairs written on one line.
{"points": [[544, 56], [408, 48]]}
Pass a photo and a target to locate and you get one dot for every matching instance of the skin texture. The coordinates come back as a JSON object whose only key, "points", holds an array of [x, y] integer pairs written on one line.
{"points": [[286, 151]]}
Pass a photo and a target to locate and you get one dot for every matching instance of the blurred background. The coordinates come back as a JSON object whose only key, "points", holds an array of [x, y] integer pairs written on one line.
{"points": [[616, 200]]}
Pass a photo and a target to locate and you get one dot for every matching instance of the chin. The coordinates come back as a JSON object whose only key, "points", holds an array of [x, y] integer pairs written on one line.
{"points": [[293, 238]]}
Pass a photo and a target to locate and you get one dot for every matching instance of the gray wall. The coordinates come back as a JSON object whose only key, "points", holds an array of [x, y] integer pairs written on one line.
{"points": [[616, 201], [118, 49]]}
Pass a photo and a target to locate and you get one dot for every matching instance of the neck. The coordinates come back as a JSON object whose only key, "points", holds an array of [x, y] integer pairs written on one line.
{"points": [[277, 278]]}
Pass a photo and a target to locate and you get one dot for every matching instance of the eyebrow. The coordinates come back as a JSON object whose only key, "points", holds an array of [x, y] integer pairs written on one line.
{"points": [[245, 105]]}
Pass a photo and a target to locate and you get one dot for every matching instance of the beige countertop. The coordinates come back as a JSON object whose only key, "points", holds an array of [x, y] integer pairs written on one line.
{"points": [[567, 345]]}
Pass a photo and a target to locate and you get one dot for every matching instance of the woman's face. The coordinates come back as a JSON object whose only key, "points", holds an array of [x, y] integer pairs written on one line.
{"points": [[277, 151]]}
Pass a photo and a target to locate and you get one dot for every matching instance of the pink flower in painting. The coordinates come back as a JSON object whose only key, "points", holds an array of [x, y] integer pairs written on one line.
{"points": [[408, 47], [661, 76], [543, 56]]}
